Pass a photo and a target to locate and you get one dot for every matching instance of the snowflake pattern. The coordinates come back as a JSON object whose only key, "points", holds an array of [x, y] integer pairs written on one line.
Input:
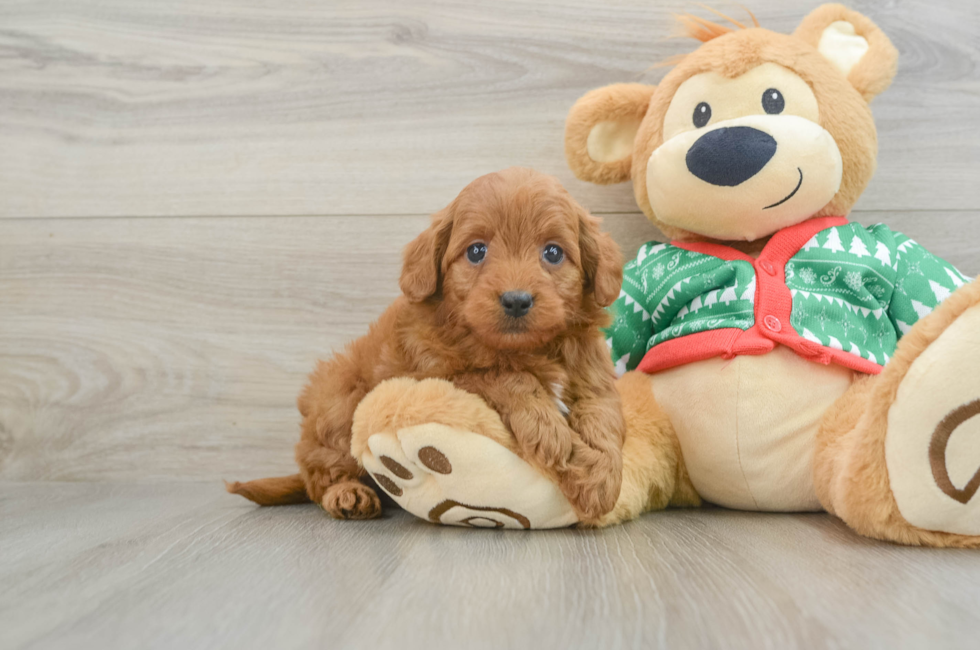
{"points": [[854, 281], [880, 337], [823, 317], [808, 275], [796, 318], [657, 271]]}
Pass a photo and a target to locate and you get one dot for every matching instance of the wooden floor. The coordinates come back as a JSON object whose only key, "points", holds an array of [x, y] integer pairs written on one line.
{"points": [[176, 565], [197, 200]]}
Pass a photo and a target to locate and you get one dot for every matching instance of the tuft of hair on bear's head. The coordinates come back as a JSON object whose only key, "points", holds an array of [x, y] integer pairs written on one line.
{"points": [[691, 26], [703, 30]]}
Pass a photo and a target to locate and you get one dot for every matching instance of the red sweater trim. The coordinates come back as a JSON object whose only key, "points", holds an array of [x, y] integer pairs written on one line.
{"points": [[773, 306]]}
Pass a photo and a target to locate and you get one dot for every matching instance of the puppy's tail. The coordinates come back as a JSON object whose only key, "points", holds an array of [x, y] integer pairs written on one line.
{"points": [[275, 491]]}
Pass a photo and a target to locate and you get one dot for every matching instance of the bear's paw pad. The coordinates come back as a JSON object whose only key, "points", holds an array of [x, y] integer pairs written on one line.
{"points": [[461, 478]]}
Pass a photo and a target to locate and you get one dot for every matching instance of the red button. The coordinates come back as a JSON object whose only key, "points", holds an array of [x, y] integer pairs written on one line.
{"points": [[768, 268], [772, 323]]}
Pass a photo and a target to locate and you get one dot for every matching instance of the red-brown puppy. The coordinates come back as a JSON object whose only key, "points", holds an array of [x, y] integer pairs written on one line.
{"points": [[503, 296]]}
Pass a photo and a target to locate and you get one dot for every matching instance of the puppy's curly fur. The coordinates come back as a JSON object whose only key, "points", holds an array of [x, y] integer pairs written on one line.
{"points": [[450, 324]]}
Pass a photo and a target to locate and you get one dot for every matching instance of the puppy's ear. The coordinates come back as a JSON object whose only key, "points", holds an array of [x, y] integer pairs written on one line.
{"points": [[854, 44], [422, 259], [600, 130], [602, 261]]}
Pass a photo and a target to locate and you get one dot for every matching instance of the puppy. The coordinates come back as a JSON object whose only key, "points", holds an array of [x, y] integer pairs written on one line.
{"points": [[503, 296]]}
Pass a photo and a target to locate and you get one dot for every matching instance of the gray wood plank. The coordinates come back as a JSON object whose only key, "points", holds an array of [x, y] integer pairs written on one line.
{"points": [[221, 107], [187, 566], [155, 348]]}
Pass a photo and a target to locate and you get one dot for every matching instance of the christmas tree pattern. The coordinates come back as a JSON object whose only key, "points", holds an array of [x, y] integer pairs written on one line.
{"points": [[854, 289]]}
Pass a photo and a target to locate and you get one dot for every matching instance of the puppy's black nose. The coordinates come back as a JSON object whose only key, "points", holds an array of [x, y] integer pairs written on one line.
{"points": [[516, 303], [730, 155]]}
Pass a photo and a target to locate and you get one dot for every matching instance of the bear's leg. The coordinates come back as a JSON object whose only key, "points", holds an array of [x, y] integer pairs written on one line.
{"points": [[445, 456], [898, 456], [654, 475]]}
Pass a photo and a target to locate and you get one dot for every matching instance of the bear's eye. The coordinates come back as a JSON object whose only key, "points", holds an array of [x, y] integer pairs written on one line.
{"points": [[553, 254], [773, 102], [476, 252], [702, 113]]}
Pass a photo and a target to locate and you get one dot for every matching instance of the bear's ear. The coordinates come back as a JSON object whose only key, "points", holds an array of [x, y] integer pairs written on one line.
{"points": [[600, 131], [854, 45]]}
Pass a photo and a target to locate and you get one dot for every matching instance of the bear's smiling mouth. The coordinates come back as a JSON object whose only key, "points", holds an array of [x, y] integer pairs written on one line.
{"points": [[795, 190]]}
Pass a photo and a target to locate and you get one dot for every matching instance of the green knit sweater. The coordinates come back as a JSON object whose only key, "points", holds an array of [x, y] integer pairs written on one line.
{"points": [[834, 292]]}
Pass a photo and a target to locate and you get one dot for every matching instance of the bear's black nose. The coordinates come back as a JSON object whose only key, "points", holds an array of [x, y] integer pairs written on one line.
{"points": [[516, 303], [730, 155]]}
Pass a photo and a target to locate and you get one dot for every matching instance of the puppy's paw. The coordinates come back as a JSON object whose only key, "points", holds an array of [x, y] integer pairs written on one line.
{"points": [[457, 477], [546, 444], [592, 484], [351, 500]]}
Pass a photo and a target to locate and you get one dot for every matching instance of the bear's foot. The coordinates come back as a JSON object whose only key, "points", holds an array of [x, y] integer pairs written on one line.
{"points": [[442, 454], [932, 445], [898, 456]]}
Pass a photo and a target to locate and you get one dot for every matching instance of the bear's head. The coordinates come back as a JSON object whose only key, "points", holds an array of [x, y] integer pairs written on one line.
{"points": [[752, 132]]}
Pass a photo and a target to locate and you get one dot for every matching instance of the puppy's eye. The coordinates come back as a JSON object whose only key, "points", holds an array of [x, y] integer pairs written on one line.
{"points": [[702, 113], [476, 252], [553, 254], [773, 102]]}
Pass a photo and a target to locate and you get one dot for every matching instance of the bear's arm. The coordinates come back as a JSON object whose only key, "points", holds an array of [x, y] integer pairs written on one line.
{"points": [[629, 334], [922, 280]]}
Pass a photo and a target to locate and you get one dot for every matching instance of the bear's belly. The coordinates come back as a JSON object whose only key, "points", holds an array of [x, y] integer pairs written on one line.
{"points": [[747, 426]]}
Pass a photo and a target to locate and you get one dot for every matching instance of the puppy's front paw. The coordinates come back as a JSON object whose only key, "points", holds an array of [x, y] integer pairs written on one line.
{"points": [[351, 500], [548, 447], [592, 484]]}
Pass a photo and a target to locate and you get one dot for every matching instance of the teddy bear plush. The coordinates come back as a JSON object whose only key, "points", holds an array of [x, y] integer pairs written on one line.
{"points": [[798, 361], [776, 356]]}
